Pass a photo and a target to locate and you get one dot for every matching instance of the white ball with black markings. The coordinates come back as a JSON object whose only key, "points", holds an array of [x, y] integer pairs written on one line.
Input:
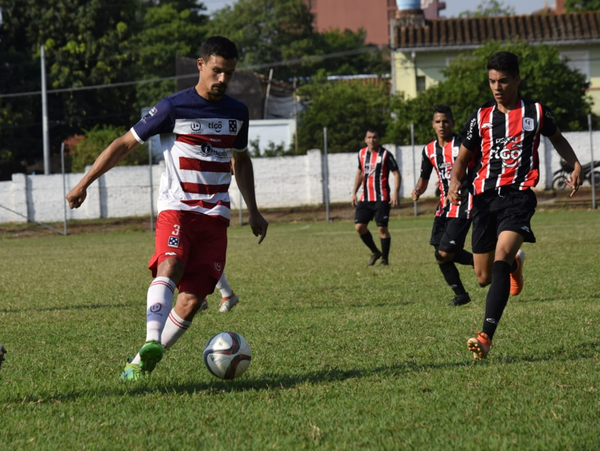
{"points": [[227, 355]]}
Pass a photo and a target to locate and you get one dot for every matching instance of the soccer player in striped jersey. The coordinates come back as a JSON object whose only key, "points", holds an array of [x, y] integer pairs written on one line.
{"points": [[452, 222], [503, 137], [374, 166], [211, 132]]}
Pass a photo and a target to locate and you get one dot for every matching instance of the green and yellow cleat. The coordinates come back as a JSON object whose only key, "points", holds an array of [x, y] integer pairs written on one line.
{"points": [[150, 354], [132, 372]]}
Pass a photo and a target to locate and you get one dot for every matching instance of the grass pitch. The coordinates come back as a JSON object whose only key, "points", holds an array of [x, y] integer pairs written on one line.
{"points": [[345, 357]]}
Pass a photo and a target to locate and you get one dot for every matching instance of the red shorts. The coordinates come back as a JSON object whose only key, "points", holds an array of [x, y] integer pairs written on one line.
{"points": [[198, 241]]}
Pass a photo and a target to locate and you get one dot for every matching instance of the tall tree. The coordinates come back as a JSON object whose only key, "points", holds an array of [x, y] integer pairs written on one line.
{"points": [[490, 8], [543, 74], [573, 6]]}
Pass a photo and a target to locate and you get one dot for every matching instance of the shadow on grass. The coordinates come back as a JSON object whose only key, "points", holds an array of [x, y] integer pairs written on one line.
{"points": [[65, 307], [582, 351]]}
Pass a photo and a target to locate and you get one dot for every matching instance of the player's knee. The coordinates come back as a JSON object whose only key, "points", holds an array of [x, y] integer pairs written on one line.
{"points": [[361, 228], [443, 257], [188, 304], [484, 280]]}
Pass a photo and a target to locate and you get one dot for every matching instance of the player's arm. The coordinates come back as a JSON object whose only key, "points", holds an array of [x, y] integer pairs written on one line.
{"points": [[244, 176], [459, 169], [565, 150], [108, 159], [357, 183], [395, 201], [420, 188]]}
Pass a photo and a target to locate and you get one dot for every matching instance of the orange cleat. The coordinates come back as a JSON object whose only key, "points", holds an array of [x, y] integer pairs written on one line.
{"points": [[516, 278], [479, 346]]}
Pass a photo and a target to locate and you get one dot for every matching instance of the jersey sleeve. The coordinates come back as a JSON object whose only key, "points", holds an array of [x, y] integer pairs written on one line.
{"points": [[549, 126], [426, 166], [160, 119], [241, 140], [470, 136], [391, 161]]}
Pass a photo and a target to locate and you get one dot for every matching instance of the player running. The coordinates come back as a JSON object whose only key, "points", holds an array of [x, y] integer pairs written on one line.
{"points": [[503, 137], [452, 222]]}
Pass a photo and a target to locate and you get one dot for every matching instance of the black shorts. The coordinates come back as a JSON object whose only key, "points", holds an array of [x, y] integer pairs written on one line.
{"points": [[449, 234], [498, 211], [366, 211]]}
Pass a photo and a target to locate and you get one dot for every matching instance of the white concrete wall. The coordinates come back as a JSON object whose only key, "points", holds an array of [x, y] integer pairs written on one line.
{"points": [[280, 182]]}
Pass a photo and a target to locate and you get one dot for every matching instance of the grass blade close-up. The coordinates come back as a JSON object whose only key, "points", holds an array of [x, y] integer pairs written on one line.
{"points": [[344, 356]]}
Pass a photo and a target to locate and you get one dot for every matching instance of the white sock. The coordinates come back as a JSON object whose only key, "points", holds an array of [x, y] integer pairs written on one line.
{"points": [[159, 302], [224, 287], [174, 329]]}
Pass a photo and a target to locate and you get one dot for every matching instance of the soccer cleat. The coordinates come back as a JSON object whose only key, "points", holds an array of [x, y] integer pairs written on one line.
{"points": [[150, 354], [132, 372], [374, 257], [228, 303], [479, 346], [384, 262], [460, 299], [204, 305], [516, 278]]}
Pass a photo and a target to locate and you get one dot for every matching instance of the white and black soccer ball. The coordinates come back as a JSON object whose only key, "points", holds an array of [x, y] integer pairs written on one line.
{"points": [[227, 355]]}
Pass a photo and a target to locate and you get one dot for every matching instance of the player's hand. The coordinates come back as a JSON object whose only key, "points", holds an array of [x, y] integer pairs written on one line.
{"points": [[394, 201], [454, 196], [574, 182], [259, 226], [415, 195], [354, 201], [76, 197]]}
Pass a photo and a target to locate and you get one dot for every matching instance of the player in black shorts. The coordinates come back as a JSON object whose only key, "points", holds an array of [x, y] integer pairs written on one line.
{"points": [[452, 222], [502, 139], [374, 166]]}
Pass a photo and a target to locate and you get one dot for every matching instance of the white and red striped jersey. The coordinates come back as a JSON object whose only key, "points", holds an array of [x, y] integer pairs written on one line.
{"points": [[376, 167], [198, 165], [442, 160], [506, 145]]}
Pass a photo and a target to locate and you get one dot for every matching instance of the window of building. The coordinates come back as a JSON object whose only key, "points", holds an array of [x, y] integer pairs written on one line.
{"points": [[421, 83]]}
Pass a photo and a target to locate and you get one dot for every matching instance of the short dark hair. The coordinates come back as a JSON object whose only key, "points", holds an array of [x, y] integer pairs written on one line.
{"points": [[372, 130], [444, 109], [504, 61], [220, 46]]}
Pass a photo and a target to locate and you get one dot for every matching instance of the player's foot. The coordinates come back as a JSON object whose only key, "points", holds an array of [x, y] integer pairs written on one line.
{"points": [[132, 372], [516, 278], [228, 303], [479, 345], [460, 299], [204, 305], [374, 257], [150, 354], [384, 262]]}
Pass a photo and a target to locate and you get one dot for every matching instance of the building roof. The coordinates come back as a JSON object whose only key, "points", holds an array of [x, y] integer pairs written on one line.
{"points": [[457, 33]]}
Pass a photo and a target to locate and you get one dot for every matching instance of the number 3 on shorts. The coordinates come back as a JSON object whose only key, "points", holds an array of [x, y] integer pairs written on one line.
{"points": [[176, 231]]}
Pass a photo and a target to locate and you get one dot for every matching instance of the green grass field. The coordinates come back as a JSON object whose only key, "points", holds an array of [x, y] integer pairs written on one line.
{"points": [[345, 356]]}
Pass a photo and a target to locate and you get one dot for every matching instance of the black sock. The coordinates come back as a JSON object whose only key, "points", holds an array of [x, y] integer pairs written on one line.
{"points": [[452, 277], [497, 297], [463, 257], [514, 266], [368, 240], [385, 247]]}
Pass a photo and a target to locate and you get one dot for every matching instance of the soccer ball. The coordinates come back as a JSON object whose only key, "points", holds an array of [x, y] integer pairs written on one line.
{"points": [[227, 355]]}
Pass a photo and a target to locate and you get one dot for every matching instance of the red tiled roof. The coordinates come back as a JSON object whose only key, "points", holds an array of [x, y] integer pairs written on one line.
{"points": [[470, 32]]}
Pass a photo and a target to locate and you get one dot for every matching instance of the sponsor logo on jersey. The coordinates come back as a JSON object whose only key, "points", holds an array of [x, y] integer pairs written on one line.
{"points": [[455, 151], [206, 150], [216, 126], [173, 241], [196, 126], [233, 126], [507, 150], [152, 111], [528, 124]]}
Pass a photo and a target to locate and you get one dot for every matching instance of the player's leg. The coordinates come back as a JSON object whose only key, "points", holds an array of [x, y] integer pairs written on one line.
{"points": [[382, 217], [228, 298], [362, 216]]}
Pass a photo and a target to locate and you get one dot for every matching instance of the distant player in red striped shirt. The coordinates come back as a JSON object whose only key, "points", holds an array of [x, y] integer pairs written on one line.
{"points": [[211, 130], [503, 137], [375, 164], [452, 222]]}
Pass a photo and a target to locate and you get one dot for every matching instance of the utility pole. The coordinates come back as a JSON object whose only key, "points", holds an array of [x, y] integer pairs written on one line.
{"points": [[46, 137]]}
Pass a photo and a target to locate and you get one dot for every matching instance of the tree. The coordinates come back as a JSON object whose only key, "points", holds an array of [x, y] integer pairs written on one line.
{"points": [[490, 8], [346, 108], [543, 75], [573, 6]]}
